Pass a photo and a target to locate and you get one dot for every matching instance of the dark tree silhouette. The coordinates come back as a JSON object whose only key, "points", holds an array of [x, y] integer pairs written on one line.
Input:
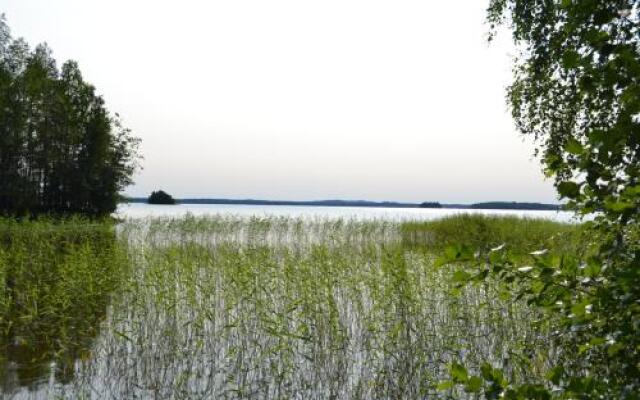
{"points": [[61, 151], [160, 197]]}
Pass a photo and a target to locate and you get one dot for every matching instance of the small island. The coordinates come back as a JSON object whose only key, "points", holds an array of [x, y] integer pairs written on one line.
{"points": [[161, 197]]}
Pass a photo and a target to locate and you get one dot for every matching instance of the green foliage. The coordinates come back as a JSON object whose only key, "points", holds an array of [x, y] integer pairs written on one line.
{"points": [[61, 152], [492, 384], [593, 317], [160, 197], [56, 279], [484, 232], [227, 307], [576, 90]]}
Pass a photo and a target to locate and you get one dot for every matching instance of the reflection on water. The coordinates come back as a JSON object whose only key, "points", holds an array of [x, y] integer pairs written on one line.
{"points": [[57, 286], [234, 308]]}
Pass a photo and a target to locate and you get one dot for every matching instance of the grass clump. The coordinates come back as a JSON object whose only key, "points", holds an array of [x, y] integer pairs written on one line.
{"points": [[481, 232], [228, 307], [56, 277]]}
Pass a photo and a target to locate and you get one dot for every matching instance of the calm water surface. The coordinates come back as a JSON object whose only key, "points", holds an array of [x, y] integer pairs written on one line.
{"points": [[317, 212]]}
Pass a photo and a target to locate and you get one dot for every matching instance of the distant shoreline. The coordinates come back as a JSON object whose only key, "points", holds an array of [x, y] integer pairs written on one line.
{"points": [[491, 205]]}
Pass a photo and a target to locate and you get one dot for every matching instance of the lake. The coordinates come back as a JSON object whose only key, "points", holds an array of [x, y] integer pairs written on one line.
{"points": [[138, 210], [303, 302], [224, 307]]}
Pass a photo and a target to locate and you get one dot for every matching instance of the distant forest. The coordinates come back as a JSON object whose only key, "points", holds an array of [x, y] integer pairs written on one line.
{"points": [[493, 205], [501, 205]]}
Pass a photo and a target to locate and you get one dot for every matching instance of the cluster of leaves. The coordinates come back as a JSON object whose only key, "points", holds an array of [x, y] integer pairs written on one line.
{"points": [[61, 151], [491, 383], [577, 91], [593, 303]]}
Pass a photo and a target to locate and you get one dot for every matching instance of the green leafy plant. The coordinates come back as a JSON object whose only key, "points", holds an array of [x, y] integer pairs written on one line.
{"points": [[577, 91]]}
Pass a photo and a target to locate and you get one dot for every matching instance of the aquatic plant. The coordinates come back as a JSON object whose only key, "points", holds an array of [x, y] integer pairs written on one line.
{"points": [[228, 307]]}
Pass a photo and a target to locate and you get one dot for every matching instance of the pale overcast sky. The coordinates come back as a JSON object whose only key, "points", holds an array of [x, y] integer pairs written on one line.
{"points": [[378, 100]]}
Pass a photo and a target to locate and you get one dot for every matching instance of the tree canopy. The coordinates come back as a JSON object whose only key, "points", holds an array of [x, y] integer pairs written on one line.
{"points": [[576, 89], [61, 151], [160, 197]]}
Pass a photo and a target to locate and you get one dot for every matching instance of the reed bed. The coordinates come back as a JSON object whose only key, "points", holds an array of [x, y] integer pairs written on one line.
{"points": [[228, 307]]}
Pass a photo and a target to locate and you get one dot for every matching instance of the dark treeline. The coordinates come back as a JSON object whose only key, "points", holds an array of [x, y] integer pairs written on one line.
{"points": [[496, 205], [503, 205], [61, 151], [325, 203]]}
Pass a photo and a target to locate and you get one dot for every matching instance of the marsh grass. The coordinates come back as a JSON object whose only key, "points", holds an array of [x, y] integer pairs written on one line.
{"points": [[227, 307], [480, 232], [56, 278]]}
